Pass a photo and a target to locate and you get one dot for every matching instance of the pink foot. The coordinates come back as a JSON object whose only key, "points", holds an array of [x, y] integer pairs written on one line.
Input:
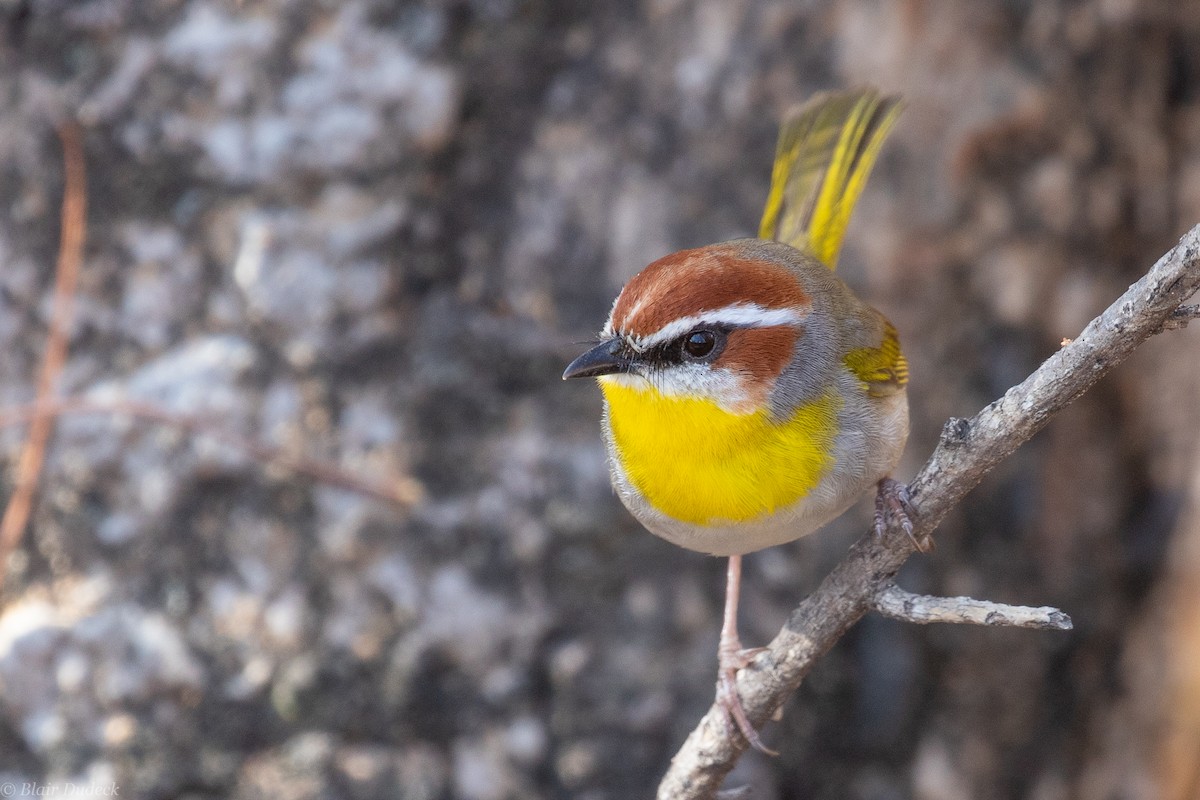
{"points": [[893, 498], [733, 657]]}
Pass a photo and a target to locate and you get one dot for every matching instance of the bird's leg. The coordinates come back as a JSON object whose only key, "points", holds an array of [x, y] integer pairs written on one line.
{"points": [[731, 657], [893, 498]]}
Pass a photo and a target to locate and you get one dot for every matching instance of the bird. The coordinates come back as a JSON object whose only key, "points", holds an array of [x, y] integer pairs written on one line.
{"points": [[750, 397]]}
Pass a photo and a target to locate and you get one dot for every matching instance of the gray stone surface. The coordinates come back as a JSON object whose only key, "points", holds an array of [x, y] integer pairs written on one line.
{"points": [[373, 233]]}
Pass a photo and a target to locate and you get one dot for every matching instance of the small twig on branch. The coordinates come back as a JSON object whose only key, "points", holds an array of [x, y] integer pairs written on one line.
{"points": [[70, 255], [922, 609], [967, 451], [401, 491], [1180, 318]]}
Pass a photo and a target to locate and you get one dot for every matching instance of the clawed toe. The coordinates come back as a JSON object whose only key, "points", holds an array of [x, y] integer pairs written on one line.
{"points": [[739, 659], [731, 658], [893, 498], [735, 714]]}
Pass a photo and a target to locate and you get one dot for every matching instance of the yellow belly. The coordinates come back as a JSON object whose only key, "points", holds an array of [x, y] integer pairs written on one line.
{"points": [[698, 463]]}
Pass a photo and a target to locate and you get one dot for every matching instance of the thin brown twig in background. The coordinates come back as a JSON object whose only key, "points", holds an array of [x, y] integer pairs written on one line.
{"points": [[42, 413], [66, 277], [401, 491]]}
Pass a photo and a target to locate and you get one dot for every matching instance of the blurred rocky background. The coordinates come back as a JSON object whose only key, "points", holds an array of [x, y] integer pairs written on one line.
{"points": [[372, 233]]}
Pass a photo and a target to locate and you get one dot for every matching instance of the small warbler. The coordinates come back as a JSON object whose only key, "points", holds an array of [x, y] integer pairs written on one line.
{"points": [[750, 397]]}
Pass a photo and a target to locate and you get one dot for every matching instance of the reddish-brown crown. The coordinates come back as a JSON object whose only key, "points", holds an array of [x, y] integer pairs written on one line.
{"points": [[704, 279]]}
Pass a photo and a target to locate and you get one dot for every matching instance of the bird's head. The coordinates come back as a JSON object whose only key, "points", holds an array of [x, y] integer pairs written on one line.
{"points": [[719, 323]]}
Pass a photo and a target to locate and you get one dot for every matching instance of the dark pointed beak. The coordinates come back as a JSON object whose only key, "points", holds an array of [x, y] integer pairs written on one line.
{"points": [[603, 359]]}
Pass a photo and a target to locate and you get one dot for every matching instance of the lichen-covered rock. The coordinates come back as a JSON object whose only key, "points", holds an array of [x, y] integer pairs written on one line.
{"points": [[371, 234]]}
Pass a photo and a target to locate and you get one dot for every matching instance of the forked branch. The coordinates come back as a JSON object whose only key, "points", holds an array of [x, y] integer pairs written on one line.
{"points": [[968, 450]]}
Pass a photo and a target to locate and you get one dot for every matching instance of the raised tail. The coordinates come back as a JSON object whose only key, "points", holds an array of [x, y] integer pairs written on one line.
{"points": [[826, 149]]}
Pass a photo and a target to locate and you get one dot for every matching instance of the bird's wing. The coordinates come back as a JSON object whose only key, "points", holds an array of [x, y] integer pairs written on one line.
{"points": [[882, 369], [826, 149]]}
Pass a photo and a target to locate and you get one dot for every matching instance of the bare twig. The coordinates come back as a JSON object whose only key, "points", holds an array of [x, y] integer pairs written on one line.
{"points": [[70, 254], [894, 602], [401, 491], [1181, 317], [967, 451]]}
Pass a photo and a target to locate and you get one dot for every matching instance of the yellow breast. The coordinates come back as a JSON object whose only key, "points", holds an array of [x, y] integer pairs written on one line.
{"points": [[698, 463]]}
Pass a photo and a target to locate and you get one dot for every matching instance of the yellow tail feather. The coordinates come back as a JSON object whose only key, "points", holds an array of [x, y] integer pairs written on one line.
{"points": [[826, 149]]}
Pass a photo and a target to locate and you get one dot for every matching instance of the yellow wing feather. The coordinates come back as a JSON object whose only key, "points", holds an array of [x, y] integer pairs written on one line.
{"points": [[826, 150], [883, 369]]}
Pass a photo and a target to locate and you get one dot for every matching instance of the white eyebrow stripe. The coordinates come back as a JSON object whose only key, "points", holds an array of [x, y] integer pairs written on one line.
{"points": [[608, 324], [737, 315]]}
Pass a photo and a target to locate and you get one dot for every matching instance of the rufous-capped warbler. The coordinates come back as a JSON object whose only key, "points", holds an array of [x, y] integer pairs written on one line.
{"points": [[750, 397]]}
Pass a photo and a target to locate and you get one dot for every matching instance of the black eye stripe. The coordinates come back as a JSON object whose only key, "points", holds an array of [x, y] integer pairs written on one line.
{"points": [[675, 351]]}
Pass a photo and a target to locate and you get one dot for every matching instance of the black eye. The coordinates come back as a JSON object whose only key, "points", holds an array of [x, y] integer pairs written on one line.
{"points": [[698, 344]]}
